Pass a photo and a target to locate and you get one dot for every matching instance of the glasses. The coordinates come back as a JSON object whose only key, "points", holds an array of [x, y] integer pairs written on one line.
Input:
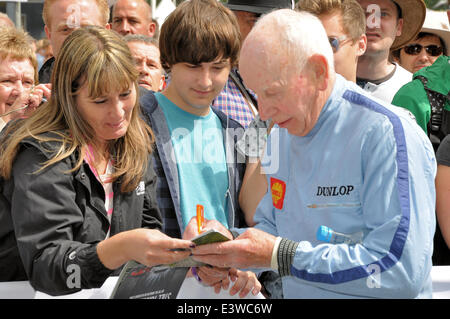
{"points": [[19, 108], [415, 49], [337, 42]]}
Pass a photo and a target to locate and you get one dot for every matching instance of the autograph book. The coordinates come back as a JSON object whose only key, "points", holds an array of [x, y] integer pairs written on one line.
{"points": [[137, 281]]}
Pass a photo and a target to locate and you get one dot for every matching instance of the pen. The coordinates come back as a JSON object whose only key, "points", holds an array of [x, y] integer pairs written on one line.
{"points": [[200, 218]]}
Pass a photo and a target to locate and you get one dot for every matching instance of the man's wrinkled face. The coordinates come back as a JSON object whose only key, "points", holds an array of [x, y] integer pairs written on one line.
{"points": [[132, 17], [147, 59], [283, 96]]}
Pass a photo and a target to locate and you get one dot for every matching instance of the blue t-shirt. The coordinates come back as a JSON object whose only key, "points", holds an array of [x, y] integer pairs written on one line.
{"points": [[200, 154]]}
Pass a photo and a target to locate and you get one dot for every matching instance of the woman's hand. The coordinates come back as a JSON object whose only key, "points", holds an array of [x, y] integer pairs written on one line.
{"points": [[147, 246], [31, 98]]}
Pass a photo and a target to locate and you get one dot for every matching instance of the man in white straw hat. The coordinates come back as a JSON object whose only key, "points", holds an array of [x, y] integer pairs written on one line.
{"points": [[390, 25], [431, 42]]}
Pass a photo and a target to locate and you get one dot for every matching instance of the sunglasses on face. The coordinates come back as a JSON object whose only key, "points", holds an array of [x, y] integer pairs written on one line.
{"points": [[415, 49], [336, 42]]}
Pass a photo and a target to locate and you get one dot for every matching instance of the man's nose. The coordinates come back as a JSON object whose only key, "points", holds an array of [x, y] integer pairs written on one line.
{"points": [[144, 69], [423, 56], [265, 112], [204, 78], [125, 27]]}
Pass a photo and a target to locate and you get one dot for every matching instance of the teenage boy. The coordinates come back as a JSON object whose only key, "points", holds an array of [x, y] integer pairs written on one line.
{"points": [[345, 24], [195, 158]]}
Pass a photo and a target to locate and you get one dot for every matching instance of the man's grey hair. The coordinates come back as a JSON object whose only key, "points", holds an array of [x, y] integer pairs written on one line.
{"points": [[141, 38]]}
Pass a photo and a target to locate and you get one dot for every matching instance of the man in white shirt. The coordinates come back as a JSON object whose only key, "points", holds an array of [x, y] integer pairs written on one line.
{"points": [[390, 25]]}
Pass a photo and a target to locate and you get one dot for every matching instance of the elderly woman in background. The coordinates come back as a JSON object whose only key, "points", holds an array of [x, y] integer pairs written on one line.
{"points": [[431, 42], [18, 76], [78, 186]]}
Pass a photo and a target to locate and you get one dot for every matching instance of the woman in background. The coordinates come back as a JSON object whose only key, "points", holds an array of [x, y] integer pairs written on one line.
{"points": [[19, 94]]}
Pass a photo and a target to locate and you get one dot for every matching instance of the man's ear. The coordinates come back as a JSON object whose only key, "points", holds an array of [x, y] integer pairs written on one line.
{"points": [[47, 32], [362, 45], [162, 82], [108, 26], [319, 71], [399, 27], [151, 29]]}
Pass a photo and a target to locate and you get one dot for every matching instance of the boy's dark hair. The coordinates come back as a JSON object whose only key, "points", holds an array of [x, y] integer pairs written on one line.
{"points": [[199, 31]]}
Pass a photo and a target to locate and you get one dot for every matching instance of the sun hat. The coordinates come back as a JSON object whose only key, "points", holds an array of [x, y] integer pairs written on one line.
{"points": [[413, 14], [259, 6], [436, 22]]}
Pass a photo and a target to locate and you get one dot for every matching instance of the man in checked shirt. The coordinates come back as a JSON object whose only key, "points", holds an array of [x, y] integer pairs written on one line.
{"points": [[236, 100]]}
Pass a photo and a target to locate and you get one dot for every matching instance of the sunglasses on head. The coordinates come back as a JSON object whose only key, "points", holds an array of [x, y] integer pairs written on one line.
{"points": [[336, 42], [415, 49]]}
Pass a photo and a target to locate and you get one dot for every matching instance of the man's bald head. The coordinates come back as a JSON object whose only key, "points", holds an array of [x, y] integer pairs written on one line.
{"points": [[287, 38], [133, 17]]}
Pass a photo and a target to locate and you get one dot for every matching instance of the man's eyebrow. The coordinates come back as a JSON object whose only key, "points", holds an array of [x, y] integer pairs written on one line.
{"points": [[221, 61]]}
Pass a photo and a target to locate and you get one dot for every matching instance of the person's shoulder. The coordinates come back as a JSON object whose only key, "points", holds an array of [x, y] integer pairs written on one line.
{"points": [[45, 71], [48, 143], [147, 100], [443, 151], [227, 122], [409, 91]]}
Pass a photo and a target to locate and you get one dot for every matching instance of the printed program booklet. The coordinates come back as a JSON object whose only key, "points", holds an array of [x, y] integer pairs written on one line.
{"points": [[137, 281], [208, 237]]}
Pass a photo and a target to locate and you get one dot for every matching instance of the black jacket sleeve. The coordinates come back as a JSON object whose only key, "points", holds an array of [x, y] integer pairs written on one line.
{"points": [[45, 217]]}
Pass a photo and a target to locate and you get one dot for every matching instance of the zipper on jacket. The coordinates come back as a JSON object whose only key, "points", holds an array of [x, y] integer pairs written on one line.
{"points": [[330, 205]]}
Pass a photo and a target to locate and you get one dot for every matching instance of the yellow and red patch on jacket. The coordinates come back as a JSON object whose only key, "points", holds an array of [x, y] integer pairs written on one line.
{"points": [[278, 189]]}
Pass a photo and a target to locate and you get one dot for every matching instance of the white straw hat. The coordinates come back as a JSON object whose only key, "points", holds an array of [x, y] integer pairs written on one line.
{"points": [[436, 22]]}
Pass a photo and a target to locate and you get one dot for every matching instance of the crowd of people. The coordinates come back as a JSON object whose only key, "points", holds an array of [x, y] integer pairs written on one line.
{"points": [[279, 118]]}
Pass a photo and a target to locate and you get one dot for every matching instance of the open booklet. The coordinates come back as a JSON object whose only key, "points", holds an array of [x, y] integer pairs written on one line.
{"points": [[137, 281], [208, 237]]}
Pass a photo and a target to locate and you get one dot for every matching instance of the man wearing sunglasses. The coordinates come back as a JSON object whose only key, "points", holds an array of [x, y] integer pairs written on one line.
{"points": [[414, 96], [390, 25], [432, 42], [345, 24]]}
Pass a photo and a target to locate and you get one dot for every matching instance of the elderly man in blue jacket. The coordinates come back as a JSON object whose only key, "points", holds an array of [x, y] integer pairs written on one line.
{"points": [[347, 161]]}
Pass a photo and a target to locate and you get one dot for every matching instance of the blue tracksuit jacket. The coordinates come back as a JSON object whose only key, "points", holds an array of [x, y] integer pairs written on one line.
{"points": [[365, 166]]}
